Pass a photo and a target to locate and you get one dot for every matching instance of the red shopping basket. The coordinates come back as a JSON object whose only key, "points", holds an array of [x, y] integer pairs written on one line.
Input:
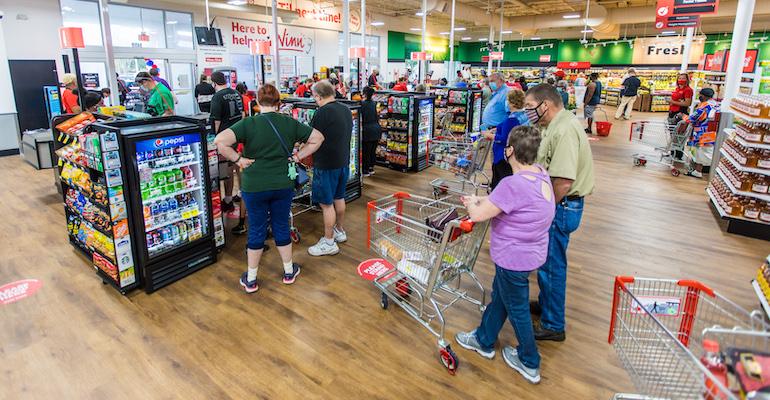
{"points": [[603, 127]]}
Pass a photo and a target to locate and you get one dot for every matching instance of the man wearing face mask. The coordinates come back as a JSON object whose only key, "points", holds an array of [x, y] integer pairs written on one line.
{"points": [[566, 154], [497, 110], [161, 102]]}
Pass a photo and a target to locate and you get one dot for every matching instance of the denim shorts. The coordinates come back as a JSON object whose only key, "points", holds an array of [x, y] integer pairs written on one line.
{"points": [[270, 206], [329, 184]]}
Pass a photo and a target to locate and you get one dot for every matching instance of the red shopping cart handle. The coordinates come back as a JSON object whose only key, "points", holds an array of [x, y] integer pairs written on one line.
{"points": [[402, 195]]}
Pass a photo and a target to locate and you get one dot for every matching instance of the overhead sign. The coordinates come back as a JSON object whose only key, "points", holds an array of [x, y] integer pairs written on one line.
{"points": [[677, 21], [421, 55], [15, 291], [670, 8], [495, 55], [665, 50], [238, 34], [545, 58], [318, 13], [573, 65], [718, 61]]}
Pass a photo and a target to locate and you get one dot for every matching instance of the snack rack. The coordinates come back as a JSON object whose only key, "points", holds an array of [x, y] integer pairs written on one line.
{"points": [[458, 111], [407, 126]]}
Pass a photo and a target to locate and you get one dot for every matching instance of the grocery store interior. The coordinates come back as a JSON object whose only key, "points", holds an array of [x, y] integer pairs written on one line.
{"points": [[538, 199]]}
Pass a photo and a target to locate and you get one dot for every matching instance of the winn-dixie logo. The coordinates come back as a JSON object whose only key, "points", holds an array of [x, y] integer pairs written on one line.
{"points": [[18, 290], [169, 141], [243, 35]]}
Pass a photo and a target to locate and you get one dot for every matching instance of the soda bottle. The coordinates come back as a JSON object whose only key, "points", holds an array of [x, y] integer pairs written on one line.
{"points": [[157, 239], [190, 228], [155, 208], [172, 204], [147, 212], [178, 150], [175, 233], [170, 176], [140, 156], [148, 155], [178, 175], [150, 241], [160, 179], [165, 234], [193, 203], [183, 231], [158, 153], [163, 206], [197, 226]]}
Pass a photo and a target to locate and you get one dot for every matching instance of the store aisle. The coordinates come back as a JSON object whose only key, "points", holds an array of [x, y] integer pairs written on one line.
{"points": [[326, 336]]}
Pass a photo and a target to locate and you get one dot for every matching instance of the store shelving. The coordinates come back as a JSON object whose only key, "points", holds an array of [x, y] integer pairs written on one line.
{"points": [[761, 286], [740, 166], [729, 183], [457, 111], [407, 121], [743, 142], [761, 296]]}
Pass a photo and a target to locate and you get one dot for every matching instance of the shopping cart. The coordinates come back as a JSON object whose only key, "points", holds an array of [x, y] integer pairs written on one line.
{"points": [[658, 327], [301, 203], [667, 140], [466, 159], [430, 260]]}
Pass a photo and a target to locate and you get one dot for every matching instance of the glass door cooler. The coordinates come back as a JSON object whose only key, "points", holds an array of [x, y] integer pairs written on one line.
{"points": [[407, 122], [458, 111], [166, 184]]}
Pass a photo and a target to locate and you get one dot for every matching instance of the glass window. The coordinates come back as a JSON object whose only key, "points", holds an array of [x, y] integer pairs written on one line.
{"points": [[137, 27], [372, 49], [83, 14], [179, 33]]}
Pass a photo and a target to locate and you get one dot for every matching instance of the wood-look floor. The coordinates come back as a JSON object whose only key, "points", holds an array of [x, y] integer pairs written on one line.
{"points": [[326, 336]]}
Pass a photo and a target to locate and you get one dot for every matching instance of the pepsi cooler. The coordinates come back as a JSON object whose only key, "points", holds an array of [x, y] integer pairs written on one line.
{"points": [[167, 184]]}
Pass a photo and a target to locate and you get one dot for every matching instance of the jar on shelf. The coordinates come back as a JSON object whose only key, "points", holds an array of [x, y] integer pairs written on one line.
{"points": [[734, 206], [752, 157], [764, 159], [752, 210], [747, 179], [764, 213], [760, 184]]}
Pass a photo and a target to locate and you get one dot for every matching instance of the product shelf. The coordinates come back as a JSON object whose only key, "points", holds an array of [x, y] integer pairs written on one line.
{"points": [[90, 224], [168, 196], [761, 297], [726, 180], [740, 167], [172, 167], [743, 142], [749, 118], [725, 215], [103, 207], [172, 221]]}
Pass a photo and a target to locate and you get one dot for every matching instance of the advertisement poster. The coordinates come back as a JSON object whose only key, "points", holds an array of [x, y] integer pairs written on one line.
{"points": [[210, 57], [90, 81], [239, 33]]}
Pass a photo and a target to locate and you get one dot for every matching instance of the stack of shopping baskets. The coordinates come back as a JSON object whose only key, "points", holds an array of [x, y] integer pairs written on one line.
{"points": [[681, 340], [466, 159], [433, 245]]}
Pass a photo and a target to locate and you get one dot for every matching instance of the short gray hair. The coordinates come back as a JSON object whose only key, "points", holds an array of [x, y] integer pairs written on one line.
{"points": [[544, 92], [323, 89], [497, 75]]}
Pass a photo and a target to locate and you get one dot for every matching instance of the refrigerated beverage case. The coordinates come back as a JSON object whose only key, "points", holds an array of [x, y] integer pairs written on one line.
{"points": [[183, 231], [172, 204], [174, 233]]}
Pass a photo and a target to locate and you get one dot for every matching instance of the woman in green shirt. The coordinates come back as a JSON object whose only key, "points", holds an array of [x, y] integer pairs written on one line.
{"points": [[267, 188], [161, 102]]}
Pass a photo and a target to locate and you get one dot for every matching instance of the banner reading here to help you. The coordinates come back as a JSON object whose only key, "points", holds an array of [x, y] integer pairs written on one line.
{"points": [[237, 34]]}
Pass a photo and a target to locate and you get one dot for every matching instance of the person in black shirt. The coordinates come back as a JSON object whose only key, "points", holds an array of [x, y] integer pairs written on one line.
{"points": [[371, 131], [226, 110], [628, 95], [331, 166], [203, 93]]}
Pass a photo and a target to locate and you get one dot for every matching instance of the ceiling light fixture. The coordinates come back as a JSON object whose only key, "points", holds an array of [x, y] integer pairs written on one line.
{"points": [[378, 23], [415, 29], [443, 33], [460, 29], [466, 38], [668, 33], [172, 22], [419, 13], [535, 38], [571, 16], [506, 32], [237, 2], [587, 31]]}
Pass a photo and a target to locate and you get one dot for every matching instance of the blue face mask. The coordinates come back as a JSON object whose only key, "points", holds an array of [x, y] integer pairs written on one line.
{"points": [[493, 85]]}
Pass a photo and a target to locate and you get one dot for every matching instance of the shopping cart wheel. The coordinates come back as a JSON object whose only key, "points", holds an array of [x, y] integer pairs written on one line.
{"points": [[449, 359], [295, 236], [384, 301], [675, 172]]}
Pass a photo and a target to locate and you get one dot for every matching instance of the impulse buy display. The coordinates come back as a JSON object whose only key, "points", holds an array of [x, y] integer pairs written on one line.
{"points": [[137, 198], [740, 189], [458, 111], [407, 125], [303, 110]]}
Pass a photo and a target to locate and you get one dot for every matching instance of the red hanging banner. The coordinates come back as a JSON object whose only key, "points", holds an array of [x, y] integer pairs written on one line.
{"points": [[71, 38], [573, 65]]}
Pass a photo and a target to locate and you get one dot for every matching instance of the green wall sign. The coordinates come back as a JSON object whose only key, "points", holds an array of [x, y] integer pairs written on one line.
{"points": [[512, 51], [611, 54]]}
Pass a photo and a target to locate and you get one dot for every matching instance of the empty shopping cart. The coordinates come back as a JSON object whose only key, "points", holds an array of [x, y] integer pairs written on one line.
{"points": [[466, 159], [658, 327], [666, 144], [432, 245]]}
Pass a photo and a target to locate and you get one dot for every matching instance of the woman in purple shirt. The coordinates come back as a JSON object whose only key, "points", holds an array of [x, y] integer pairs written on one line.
{"points": [[521, 208]]}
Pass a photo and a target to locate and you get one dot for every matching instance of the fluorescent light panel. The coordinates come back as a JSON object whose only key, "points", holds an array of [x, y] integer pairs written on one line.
{"points": [[571, 16], [419, 13], [378, 23], [443, 33], [506, 32], [535, 38], [415, 29], [466, 38], [237, 2], [586, 31], [462, 28]]}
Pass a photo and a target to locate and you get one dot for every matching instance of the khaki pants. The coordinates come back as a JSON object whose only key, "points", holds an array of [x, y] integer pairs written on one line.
{"points": [[625, 101]]}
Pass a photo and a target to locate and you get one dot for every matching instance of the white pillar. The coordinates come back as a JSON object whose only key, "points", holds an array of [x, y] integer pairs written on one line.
{"points": [[738, 47], [491, 43], [423, 64], [452, 36], [346, 39], [500, 43], [362, 64], [687, 48], [276, 57], [109, 55]]}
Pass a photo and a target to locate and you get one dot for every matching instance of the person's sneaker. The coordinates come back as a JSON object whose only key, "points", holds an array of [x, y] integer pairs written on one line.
{"points": [[695, 174], [249, 287], [535, 309], [236, 199], [511, 357], [367, 174], [340, 236], [547, 334], [588, 131], [240, 229], [288, 279], [469, 341], [323, 248], [227, 206], [371, 172]]}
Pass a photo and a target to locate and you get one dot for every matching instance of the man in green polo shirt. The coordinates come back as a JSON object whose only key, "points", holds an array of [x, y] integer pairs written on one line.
{"points": [[565, 153], [161, 100]]}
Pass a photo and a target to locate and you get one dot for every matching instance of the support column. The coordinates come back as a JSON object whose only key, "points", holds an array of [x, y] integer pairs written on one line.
{"points": [[452, 37], [738, 48], [109, 55], [687, 49], [421, 77], [276, 57], [362, 65], [346, 39], [500, 43], [491, 43]]}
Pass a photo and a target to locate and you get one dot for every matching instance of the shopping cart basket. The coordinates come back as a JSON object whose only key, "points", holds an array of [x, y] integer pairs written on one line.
{"points": [[658, 327], [666, 141], [466, 159], [429, 259]]}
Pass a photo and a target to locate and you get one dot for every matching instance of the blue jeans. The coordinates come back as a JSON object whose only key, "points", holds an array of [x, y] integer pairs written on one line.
{"points": [[274, 205], [510, 299], [552, 276]]}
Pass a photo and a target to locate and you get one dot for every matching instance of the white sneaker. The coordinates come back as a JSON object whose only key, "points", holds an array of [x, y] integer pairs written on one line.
{"points": [[323, 248], [340, 236]]}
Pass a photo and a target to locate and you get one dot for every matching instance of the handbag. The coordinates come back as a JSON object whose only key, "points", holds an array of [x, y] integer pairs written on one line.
{"points": [[301, 178], [439, 223]]}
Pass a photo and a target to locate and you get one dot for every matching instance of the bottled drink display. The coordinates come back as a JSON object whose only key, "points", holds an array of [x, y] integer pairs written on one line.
{"points": [[173, 201], [755, 105]]}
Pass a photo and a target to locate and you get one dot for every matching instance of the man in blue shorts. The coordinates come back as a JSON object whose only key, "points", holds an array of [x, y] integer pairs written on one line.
{"points": [[331, 166]]}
